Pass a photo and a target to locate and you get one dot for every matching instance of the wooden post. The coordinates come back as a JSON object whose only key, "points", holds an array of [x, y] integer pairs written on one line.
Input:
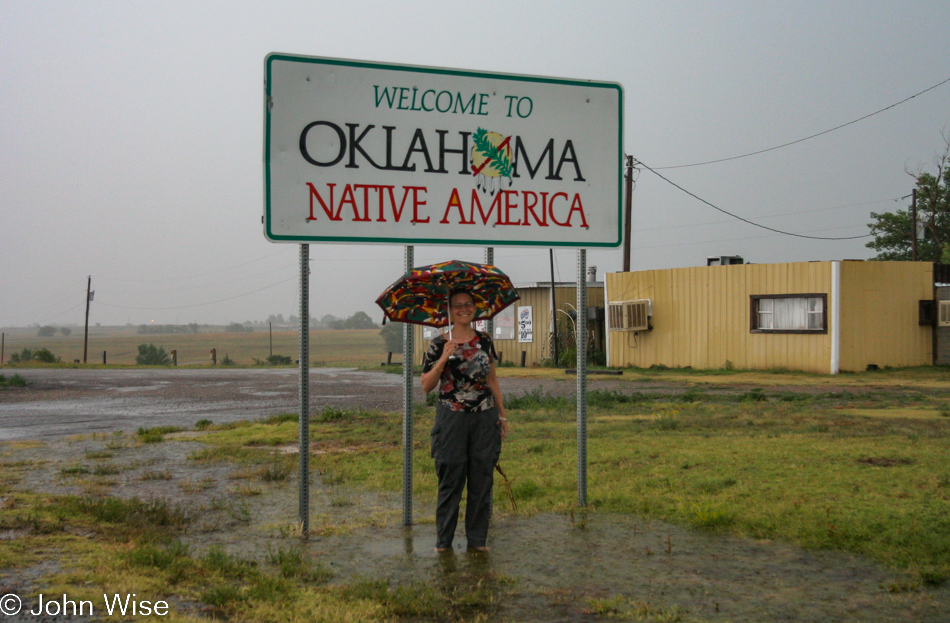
{"points": [[85, 341], [103, 357], [214, 356], [627, 213], [913, 225], [174, 357]]}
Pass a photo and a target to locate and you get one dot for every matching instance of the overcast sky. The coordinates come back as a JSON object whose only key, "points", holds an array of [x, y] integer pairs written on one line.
{"points": [[132, 138]]}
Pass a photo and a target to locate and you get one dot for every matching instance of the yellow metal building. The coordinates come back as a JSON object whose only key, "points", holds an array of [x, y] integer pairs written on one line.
{"points": [[824, 317], [515, 335]]}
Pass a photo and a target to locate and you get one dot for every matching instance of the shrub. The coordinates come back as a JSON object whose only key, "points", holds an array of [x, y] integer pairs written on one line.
{"points": [[16, 381], [279, 360], [46, 332], [150, 355], [24, 356], [45, 356]]}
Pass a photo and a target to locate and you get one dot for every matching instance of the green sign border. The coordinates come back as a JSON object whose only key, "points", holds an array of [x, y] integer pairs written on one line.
{"points": [[440, 71]]}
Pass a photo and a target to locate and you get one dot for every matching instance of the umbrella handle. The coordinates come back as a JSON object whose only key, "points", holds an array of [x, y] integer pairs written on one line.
{"points": [[448, 307]]}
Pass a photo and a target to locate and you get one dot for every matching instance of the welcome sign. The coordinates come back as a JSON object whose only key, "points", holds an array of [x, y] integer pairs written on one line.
{"points": [[372, 153]]}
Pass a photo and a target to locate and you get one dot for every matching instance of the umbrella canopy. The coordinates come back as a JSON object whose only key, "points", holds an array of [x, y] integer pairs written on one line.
{"points": [[421, 295]]}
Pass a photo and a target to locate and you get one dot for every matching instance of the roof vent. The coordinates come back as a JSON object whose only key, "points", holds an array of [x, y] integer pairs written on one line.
{"points": [[724, 260]]}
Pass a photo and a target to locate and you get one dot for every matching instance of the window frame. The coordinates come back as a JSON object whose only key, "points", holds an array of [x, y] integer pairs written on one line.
{"points": [[754, 300]]}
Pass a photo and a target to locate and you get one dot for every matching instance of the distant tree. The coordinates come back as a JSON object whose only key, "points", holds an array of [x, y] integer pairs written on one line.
{"points": [[65, 330], [392, 336], [359, 320], [237, 327], [336, 324], [150, 355], [893, 231], [46, 331]]}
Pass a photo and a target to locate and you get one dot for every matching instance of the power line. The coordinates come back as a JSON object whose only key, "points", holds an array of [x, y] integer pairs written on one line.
{"points": [[776, 215], [721, 240], [802, 140], [735, 216]]}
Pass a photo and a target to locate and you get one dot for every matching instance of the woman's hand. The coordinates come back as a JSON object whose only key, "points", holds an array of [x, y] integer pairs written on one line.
{"points": [[503, 421], [430, 379], [448, 351]]}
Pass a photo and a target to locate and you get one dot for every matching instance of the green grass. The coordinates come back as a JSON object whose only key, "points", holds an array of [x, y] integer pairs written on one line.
{"points": [[156, 434]]}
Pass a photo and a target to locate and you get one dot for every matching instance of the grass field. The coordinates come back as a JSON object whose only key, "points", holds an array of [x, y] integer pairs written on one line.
{"points": [[344, 348]]}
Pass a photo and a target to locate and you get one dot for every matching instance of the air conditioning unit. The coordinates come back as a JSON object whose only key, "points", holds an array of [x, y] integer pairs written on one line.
{"points": [[943, 320], [629, 315]]}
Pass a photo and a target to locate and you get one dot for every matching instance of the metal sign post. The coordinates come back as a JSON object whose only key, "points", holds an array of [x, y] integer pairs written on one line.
{"points": [[490, 259], [304, 417], [581, 326], [407, 406]]}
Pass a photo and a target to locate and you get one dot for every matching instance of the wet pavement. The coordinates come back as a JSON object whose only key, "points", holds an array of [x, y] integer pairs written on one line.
{"points": [[62, 402]]}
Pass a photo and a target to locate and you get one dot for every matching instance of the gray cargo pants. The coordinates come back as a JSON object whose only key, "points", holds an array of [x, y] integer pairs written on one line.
{"points": [[465, 447]]}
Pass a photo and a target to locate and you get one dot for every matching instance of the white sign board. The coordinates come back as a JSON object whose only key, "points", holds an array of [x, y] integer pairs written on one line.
{"points": [[525, 324], [373, 153]]}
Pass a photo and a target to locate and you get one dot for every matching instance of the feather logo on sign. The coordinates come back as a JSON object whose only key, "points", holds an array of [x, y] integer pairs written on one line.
{"points": [[491, 160]]}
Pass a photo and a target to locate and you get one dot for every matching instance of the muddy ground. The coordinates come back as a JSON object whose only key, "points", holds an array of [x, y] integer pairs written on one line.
{"points": [[544, 567]]}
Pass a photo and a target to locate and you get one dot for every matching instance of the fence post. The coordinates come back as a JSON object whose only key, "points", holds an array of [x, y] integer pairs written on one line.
{"points": [[103, 357], [214, 356], [174, 357]]}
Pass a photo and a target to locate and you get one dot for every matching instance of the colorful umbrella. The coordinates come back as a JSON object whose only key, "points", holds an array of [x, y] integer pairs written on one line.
{"points": [[421, 295]]}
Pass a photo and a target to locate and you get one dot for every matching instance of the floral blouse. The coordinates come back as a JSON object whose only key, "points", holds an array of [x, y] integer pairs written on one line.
{"points": [[463, 385]]}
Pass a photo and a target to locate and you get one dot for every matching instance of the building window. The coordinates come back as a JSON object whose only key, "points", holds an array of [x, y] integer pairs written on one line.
{"points": [[789, 313]]}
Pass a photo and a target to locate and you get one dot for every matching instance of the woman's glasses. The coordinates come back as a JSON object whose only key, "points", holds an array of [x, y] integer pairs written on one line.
{"points": [[463, 305]]}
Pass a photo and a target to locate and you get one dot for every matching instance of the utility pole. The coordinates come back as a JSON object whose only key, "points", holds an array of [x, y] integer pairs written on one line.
{"points": [[913, 229], [627, 212], [89, 295]]}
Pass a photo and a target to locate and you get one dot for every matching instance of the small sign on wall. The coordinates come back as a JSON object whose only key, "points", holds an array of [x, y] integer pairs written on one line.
{"points": [[505, 324], [525, 324]]}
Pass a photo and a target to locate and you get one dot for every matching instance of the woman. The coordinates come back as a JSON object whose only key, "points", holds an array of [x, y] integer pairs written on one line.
{"points": [[470, 423]]}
